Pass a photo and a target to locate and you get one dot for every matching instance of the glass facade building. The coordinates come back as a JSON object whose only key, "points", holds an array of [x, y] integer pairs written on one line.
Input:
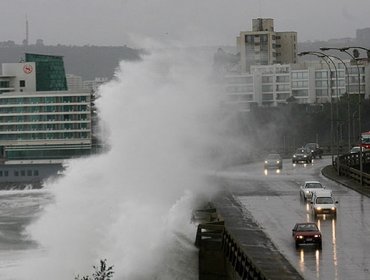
{"points": [[50, 73]]}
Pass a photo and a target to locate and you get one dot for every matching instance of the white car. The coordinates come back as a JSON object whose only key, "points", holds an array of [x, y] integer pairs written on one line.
{"points": [[323, 203], [309, 187], [356, 149]]}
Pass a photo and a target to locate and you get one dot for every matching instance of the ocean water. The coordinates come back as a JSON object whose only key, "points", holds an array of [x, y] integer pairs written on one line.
{"points": [[131, 205]]}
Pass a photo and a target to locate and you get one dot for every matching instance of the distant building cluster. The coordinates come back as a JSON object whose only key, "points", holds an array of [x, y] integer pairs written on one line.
{"points": [[75, 83], [266, 71]]}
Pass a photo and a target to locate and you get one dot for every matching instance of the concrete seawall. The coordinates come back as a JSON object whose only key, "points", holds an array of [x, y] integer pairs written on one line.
{"points": [[233, 246]]}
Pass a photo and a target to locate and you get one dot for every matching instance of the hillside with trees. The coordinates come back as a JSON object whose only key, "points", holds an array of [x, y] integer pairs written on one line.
{"points": [[86, 61]]}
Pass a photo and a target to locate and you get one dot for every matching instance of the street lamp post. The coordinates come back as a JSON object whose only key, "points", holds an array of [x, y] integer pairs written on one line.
{"points": [[348, 105], [323, 55], [359, 93]]}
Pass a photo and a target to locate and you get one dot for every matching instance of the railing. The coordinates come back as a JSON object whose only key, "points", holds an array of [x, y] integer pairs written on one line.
{"points": [[349, 166], [238, 259], [223, 257]]}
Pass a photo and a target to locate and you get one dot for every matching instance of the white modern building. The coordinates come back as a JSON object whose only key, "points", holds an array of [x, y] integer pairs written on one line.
{"points": [[74, 83], [304, 83], [39, 117]]}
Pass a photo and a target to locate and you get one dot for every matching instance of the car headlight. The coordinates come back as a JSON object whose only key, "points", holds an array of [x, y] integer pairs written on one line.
{"points": [[333, 208], [299, 237], [266, 161], [318, 208], [294, 155], [278, 161], [307, 192], [317, 235], [304, 156]]}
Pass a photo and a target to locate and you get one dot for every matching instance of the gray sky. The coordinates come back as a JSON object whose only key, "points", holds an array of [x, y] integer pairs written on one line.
{"points": [[192, 22]]}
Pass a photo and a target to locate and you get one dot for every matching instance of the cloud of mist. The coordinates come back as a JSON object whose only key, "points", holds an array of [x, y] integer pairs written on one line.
{"points": [[133, 204]]}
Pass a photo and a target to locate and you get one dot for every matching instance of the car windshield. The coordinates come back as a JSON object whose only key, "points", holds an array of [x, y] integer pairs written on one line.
{"points": [[324, 200], [307, 227], [273, 156], [314, 186], [311, 146], [366, 138]]}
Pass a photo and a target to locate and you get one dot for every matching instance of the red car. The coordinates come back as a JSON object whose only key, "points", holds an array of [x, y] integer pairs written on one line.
{"points": [[307, 233]]}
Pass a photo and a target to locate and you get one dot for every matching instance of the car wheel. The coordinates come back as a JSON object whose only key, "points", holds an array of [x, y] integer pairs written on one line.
{"points": [[319, 245]]}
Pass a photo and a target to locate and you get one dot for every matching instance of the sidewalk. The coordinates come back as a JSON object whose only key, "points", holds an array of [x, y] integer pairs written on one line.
{"points": [[329, 172]]}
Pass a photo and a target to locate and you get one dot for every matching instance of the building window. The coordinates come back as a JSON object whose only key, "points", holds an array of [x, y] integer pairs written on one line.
{"points": [[300, 92], [282, 79], [300, 84], [29, 172], [282, 87], [22, 83], [6, 173], [320, 74], [267, 88], [300, 75], [321, 92], [35, 173], [267, 97], [16, 173], [267, 79], [1, 173]]}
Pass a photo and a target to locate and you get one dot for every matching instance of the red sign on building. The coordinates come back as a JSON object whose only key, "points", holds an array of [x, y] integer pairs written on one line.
{"points": [[27, 68]]}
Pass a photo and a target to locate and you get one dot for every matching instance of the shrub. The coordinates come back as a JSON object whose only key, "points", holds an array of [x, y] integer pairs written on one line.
{"points": [[103, 272]]}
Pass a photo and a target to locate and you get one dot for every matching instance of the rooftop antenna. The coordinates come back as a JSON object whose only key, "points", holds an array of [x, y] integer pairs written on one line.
{"points": [[26, 30], [259, 8]]}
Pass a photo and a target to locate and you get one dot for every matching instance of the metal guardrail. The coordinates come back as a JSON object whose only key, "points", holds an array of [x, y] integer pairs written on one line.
{"points": [[240, 262], [349, 167]]}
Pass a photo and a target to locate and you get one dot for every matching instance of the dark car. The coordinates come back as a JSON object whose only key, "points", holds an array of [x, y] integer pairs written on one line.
{"points": [[273, 161], [307, 233], [302, 154], [315, 149]]}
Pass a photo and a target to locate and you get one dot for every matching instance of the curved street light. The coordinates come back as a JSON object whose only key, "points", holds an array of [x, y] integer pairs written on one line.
{"points": [[354, 58], [348, 105], [322, 56]]}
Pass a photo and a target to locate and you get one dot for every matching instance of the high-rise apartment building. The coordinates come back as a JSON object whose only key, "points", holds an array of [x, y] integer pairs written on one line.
{"points": [[264, 46]]}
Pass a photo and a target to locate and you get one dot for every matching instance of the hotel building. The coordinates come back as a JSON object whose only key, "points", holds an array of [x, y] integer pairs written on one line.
{"points": [[39, 118]]}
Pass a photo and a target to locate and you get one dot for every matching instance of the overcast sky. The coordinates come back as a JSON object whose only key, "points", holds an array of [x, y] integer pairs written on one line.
{"points": [[191, 22]]}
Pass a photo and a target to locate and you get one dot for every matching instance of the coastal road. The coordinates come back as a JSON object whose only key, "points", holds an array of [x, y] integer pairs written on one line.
{"points": [[273, 200]]}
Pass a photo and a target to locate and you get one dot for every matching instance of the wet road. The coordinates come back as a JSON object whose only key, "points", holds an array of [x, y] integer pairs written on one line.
{"points": [[273, 200]]}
